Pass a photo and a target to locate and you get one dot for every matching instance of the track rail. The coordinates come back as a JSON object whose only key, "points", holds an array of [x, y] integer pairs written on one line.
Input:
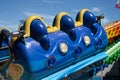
{"points": [[113, 49]]}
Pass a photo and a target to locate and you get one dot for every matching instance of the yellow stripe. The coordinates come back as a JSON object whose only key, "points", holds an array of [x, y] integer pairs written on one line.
{"points": [[56, 24], [5, 29], [21, 25], [80, 18], [13, 38], [28, 23]]}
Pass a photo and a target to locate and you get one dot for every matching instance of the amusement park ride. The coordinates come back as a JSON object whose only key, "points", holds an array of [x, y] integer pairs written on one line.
{"points": [[67, 50]]}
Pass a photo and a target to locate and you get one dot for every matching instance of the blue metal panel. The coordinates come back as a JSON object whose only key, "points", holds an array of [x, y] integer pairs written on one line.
{"points": [[41, 49], [73, 68]]}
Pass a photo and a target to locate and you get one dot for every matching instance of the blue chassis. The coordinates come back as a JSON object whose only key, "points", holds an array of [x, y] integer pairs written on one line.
{"points": [[73, 68]]}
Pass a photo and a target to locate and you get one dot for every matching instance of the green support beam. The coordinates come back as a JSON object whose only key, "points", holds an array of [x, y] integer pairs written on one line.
{"points": [[113, 51]]}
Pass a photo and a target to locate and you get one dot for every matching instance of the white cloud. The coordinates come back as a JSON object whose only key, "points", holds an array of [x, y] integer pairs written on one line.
{"points": [[105, 21], [96, 9], [12, 27], [5, 24], [48, 18], [51, 1], [76, 10], [30, 13], [41, 15]]}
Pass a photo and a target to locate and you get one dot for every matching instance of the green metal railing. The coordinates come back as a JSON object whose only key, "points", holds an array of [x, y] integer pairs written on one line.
{"points": [[113, 51]]}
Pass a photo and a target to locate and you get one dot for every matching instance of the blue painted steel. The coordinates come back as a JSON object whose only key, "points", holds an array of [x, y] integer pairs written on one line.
{"points": [[67, 25], [4, 54], [89, 20], [73, 68], [51, 62], [4, 45], [33, 54], [39, 33]]}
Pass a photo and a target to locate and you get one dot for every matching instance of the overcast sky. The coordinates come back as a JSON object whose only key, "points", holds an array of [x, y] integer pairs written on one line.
{"points": [[11, 11]]}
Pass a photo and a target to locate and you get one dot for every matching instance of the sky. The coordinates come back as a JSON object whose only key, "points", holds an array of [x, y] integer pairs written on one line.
{"points": [[12, 11]]}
